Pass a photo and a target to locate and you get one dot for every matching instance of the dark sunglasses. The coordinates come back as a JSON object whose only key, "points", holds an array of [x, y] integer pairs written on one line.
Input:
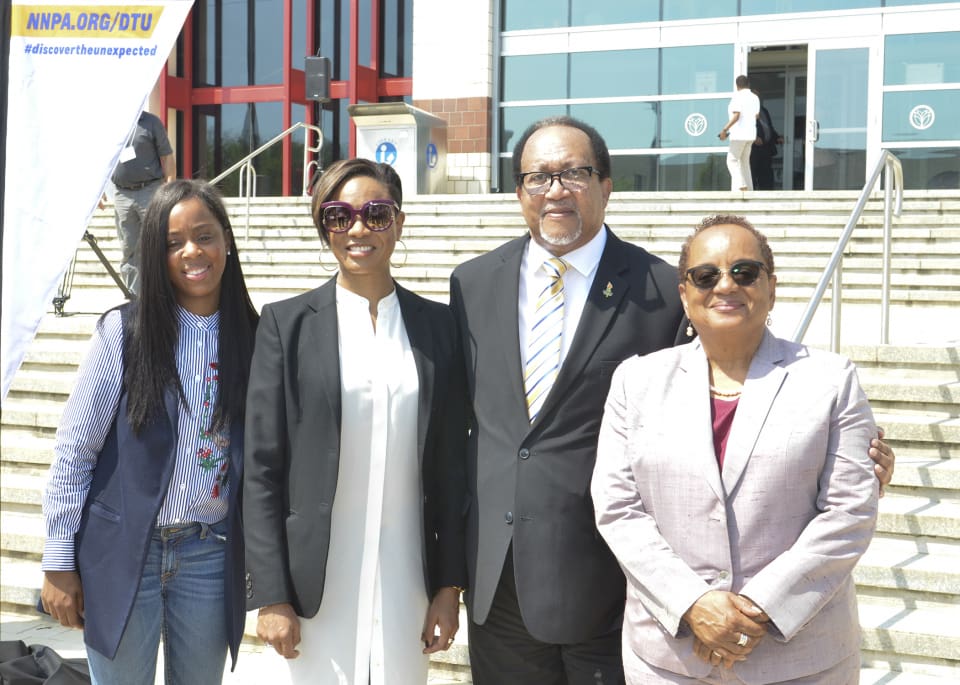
{"points": [[376, 215], [744, 272]]}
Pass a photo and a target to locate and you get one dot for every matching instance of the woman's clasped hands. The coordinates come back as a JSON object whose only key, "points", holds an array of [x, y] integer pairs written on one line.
{"points": [[726, 627]]}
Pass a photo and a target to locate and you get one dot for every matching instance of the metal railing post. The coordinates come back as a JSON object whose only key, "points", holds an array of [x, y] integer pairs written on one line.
{"points": [[248, 179], [311, 156], [894, 171], [836, 301], [888, 180]]}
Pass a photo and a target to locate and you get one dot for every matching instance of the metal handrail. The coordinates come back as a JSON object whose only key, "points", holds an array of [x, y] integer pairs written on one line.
{"points": [[248, 174], [892, 182]]}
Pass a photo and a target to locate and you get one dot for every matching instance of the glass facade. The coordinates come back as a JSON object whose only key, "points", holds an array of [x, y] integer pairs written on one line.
{"points": [[660, 106], [242, 94], [921, 59], [935, 168], [840, 110], [912, 116], [697, 9], [545, 14], [752, 7], [658, 100], [525, 15], [225, 134], [641, 101], [921, 101], [237, 43]]}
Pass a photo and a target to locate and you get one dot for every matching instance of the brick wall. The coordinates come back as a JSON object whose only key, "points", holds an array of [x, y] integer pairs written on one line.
{"points": [[468, 141]]}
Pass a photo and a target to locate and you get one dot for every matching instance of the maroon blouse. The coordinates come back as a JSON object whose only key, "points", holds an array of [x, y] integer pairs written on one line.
{"points": [[721, 414]]}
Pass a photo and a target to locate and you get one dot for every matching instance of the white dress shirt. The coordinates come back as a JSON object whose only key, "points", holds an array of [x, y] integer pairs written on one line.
{"points": [[582, 266]]}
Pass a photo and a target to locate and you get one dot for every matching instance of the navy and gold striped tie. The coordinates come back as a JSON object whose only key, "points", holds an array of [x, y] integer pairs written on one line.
{"points": [[543, 342]]}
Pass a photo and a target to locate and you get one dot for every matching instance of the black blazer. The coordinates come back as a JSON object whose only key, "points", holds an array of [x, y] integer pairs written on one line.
{"points": [[129, 484], [293, 446], [530, 484]]}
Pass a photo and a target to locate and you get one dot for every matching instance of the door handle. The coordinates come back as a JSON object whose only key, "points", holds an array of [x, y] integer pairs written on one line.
{"points": [[813, 131]]}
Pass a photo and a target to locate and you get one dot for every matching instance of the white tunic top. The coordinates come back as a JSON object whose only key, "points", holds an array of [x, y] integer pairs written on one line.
{"points": [[374, 602]]}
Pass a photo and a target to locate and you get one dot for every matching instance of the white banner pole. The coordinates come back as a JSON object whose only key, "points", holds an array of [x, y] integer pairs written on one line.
{"points": [[79, 75]]}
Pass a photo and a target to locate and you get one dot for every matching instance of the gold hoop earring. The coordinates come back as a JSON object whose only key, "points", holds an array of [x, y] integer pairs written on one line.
{"points": [[323, 265], [404, 262]]}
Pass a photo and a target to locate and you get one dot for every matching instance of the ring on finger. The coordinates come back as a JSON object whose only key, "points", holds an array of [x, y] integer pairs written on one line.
{"points": [[742, 642]]}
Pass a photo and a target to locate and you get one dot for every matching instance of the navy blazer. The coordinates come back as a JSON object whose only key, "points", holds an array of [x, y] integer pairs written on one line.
{"points": [[119, 516]]}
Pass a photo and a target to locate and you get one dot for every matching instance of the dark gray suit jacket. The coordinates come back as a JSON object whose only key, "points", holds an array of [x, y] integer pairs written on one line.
{"points": [[293, 446], [530, 484]]}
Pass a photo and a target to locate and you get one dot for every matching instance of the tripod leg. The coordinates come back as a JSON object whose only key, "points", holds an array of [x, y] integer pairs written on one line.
{"points": [[92, 241], [65, 288]]}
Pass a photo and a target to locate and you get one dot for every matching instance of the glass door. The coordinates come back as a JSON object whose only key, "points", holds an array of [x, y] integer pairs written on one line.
{"points": [[794, 130], [836, 125]]}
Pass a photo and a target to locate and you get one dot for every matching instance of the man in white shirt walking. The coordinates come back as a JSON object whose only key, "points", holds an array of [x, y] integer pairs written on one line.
{"points": [[741, 129]]}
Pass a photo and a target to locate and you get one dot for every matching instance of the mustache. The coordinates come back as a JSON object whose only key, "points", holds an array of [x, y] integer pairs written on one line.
{"points": [[562, 207]]}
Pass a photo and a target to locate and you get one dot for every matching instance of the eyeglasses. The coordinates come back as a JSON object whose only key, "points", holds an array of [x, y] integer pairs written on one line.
{"points": [[539, 182], [376, 215], [744, 272]]}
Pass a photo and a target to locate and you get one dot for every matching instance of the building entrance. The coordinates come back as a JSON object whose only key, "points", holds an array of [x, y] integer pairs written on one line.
{"points": [[817, 96], [779, 76]]}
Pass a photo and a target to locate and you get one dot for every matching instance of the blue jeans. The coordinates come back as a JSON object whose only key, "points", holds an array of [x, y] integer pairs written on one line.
{"points": [[180, 599]]}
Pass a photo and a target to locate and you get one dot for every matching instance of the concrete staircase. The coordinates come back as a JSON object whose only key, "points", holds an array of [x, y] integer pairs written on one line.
{"points": [[910, 579], [282, 256]]}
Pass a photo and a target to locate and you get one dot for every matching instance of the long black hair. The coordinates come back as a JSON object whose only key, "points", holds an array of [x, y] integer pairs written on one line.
{"points": [[150, 363]]}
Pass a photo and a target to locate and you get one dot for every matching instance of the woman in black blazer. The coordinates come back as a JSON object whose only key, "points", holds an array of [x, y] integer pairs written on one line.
{"points": [[354, 490]]}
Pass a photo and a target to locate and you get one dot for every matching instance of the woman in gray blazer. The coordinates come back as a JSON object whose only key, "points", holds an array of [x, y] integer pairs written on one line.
{"points": [[734, 487]]}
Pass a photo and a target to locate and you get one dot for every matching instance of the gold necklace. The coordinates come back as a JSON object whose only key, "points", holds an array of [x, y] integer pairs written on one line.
{"points": [[719, 393]]}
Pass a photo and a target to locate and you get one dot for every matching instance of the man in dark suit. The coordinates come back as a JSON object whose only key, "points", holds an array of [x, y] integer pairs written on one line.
{"points": [[546, 595], [764, 149]]}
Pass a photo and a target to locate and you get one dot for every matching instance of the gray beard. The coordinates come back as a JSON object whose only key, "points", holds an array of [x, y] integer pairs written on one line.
{"points": [[561, 240]]}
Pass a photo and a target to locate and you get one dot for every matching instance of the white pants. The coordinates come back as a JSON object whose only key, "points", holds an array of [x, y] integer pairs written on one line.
{"points": [[738, 162]]}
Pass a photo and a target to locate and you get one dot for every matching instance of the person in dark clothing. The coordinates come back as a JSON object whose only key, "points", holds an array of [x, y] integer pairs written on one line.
{"points": [[764, 150]]}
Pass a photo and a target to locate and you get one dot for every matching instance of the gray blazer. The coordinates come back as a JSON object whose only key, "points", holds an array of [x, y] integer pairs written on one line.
{"points": [[783, 524]]}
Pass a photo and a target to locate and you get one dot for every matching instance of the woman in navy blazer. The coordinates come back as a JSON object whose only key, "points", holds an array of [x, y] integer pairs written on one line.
{"points": [[354, 490], [143, 501]]}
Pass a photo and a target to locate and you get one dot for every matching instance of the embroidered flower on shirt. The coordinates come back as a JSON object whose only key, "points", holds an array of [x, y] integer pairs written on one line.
{"points": [[212, 450]]}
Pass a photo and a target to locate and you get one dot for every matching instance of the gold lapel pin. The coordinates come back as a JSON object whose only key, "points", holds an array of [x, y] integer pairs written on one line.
{"points": [[608, 291]]}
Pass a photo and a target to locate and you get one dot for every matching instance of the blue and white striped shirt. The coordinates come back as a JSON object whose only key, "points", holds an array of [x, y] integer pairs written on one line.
{"points": [[198, 488]]}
